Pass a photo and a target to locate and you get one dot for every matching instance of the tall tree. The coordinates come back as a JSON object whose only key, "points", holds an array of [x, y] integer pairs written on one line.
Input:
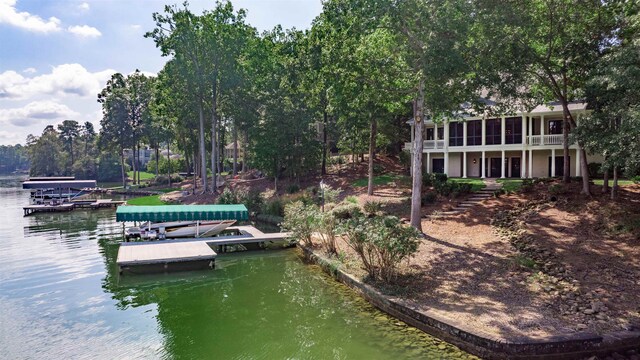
{"points": [[545, 50], [69, 130]]}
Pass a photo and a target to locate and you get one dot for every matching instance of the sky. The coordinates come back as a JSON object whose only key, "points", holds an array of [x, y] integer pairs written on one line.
{"points": [[56, 56]]}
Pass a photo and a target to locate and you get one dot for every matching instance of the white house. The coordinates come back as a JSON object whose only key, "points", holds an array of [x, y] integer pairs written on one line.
{"points": [[521, 145]]}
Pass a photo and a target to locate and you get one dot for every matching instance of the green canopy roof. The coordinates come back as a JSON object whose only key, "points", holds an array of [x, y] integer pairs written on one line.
{"points": [[164, 213]]}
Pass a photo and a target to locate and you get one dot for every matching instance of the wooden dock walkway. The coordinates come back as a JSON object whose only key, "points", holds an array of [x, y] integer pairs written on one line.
{"points": [[160, 254], [30, 209], [68, 206]]}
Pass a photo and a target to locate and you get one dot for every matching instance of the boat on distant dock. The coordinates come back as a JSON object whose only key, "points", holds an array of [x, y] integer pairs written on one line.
{"points": [[178, 229]]}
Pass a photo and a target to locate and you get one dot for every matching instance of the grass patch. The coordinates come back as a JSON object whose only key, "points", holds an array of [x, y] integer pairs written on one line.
{"points": [[525, 262], [167, 190], [378, 180], [620, 182], [476, 184], [146, 200], [510, 185], [143, 175]]}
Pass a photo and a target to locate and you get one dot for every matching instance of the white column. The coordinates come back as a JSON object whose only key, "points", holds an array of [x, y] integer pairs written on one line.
{"points": [[530, 132], [524, 131], [446, 136], [542, 130], [446, 163], [464, 133], [523, 173], [502, 166], [484, 131], [482, 170], [553, 162], [578, 158], [530, 173], [413, 136], [428, 163], [464, 163], [503, 130]]}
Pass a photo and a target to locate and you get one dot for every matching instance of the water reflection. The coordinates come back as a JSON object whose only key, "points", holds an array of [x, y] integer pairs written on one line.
{"points": [[61, 295]]}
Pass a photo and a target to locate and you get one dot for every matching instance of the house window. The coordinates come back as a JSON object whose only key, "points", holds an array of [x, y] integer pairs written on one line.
{"points": [[493, 136], [474, 132], [513, 130], [456, 136], [555, 127], [440, 133], [429, 134]]}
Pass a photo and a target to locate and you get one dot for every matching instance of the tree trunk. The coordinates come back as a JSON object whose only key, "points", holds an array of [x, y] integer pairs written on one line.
{"points": [[416, 188], [323, 171], [372, 150], [583, 154], [214, 132], [168, 163], [195, 166], [245, 152], [235, 149], [605, 180], [203, 159], [566, 169], [614, 188], [158, 157], [134, 164], [124, 179]]}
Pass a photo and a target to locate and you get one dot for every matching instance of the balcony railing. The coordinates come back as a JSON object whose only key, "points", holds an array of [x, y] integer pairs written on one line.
{"points": [[536, 140], [427, 144]]}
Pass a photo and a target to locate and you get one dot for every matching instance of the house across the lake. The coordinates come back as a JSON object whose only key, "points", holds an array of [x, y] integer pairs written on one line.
{"points": [[521, 145]]}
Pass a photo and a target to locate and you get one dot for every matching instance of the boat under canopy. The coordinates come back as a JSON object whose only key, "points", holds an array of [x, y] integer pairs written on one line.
{"points": [[182, 213], [60, 184]]}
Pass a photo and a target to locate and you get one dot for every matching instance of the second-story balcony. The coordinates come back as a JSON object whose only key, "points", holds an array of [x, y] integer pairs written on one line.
{"points": [[536, 140], [428, 144]]}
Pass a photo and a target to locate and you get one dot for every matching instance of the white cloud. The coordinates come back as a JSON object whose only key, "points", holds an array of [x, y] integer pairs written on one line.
{"points": [[64, 80], [136, 26], [84, 6], [30, 70], [36, 112], [24, 20], [84, 31]]}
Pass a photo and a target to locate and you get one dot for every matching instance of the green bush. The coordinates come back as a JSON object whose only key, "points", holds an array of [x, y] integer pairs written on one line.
{"points": [[429, 197], [300, 220], [433, 179], [326, 226], [293, 188], [346, 210], [330, 194], [636, 179], [164, 180], [274, 206], [405, 159], [227, 196], [459, 189], [382, 243], [556, 189], [352, 199], [372, 207], [527, 185], [251, 199], [378, 169]]}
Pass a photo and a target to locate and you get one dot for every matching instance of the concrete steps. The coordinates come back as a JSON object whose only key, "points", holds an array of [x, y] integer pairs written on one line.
{"points": [[473, 200]]}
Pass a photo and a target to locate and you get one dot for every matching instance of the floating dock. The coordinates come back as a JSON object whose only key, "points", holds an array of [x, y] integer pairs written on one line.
{"points": [[165, 256], [179, 254], [28, 210]]}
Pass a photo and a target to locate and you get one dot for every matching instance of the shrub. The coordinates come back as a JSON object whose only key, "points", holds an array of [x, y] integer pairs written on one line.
{"points": [[444, 188], [461, 189], [433, 179], [293, 188], [527, 185], [227, 196], [372, 207], [352, 199], [273, 206], [556, 189], [382, 243], [429, 197], [330, 194], [636, 179], [346, 210], [405, 159], [164, 180], [300, 220], [378, 169], [326, 225]]}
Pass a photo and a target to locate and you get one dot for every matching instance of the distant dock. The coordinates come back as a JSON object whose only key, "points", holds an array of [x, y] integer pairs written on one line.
{"points": [[186, 254], [68, 206]]}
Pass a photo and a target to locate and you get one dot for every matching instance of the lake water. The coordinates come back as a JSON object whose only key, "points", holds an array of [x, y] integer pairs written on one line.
{"points": [[61, 297]]}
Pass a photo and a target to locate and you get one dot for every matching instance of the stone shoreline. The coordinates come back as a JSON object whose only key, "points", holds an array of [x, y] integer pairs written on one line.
{"points": [[572, 346]]}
